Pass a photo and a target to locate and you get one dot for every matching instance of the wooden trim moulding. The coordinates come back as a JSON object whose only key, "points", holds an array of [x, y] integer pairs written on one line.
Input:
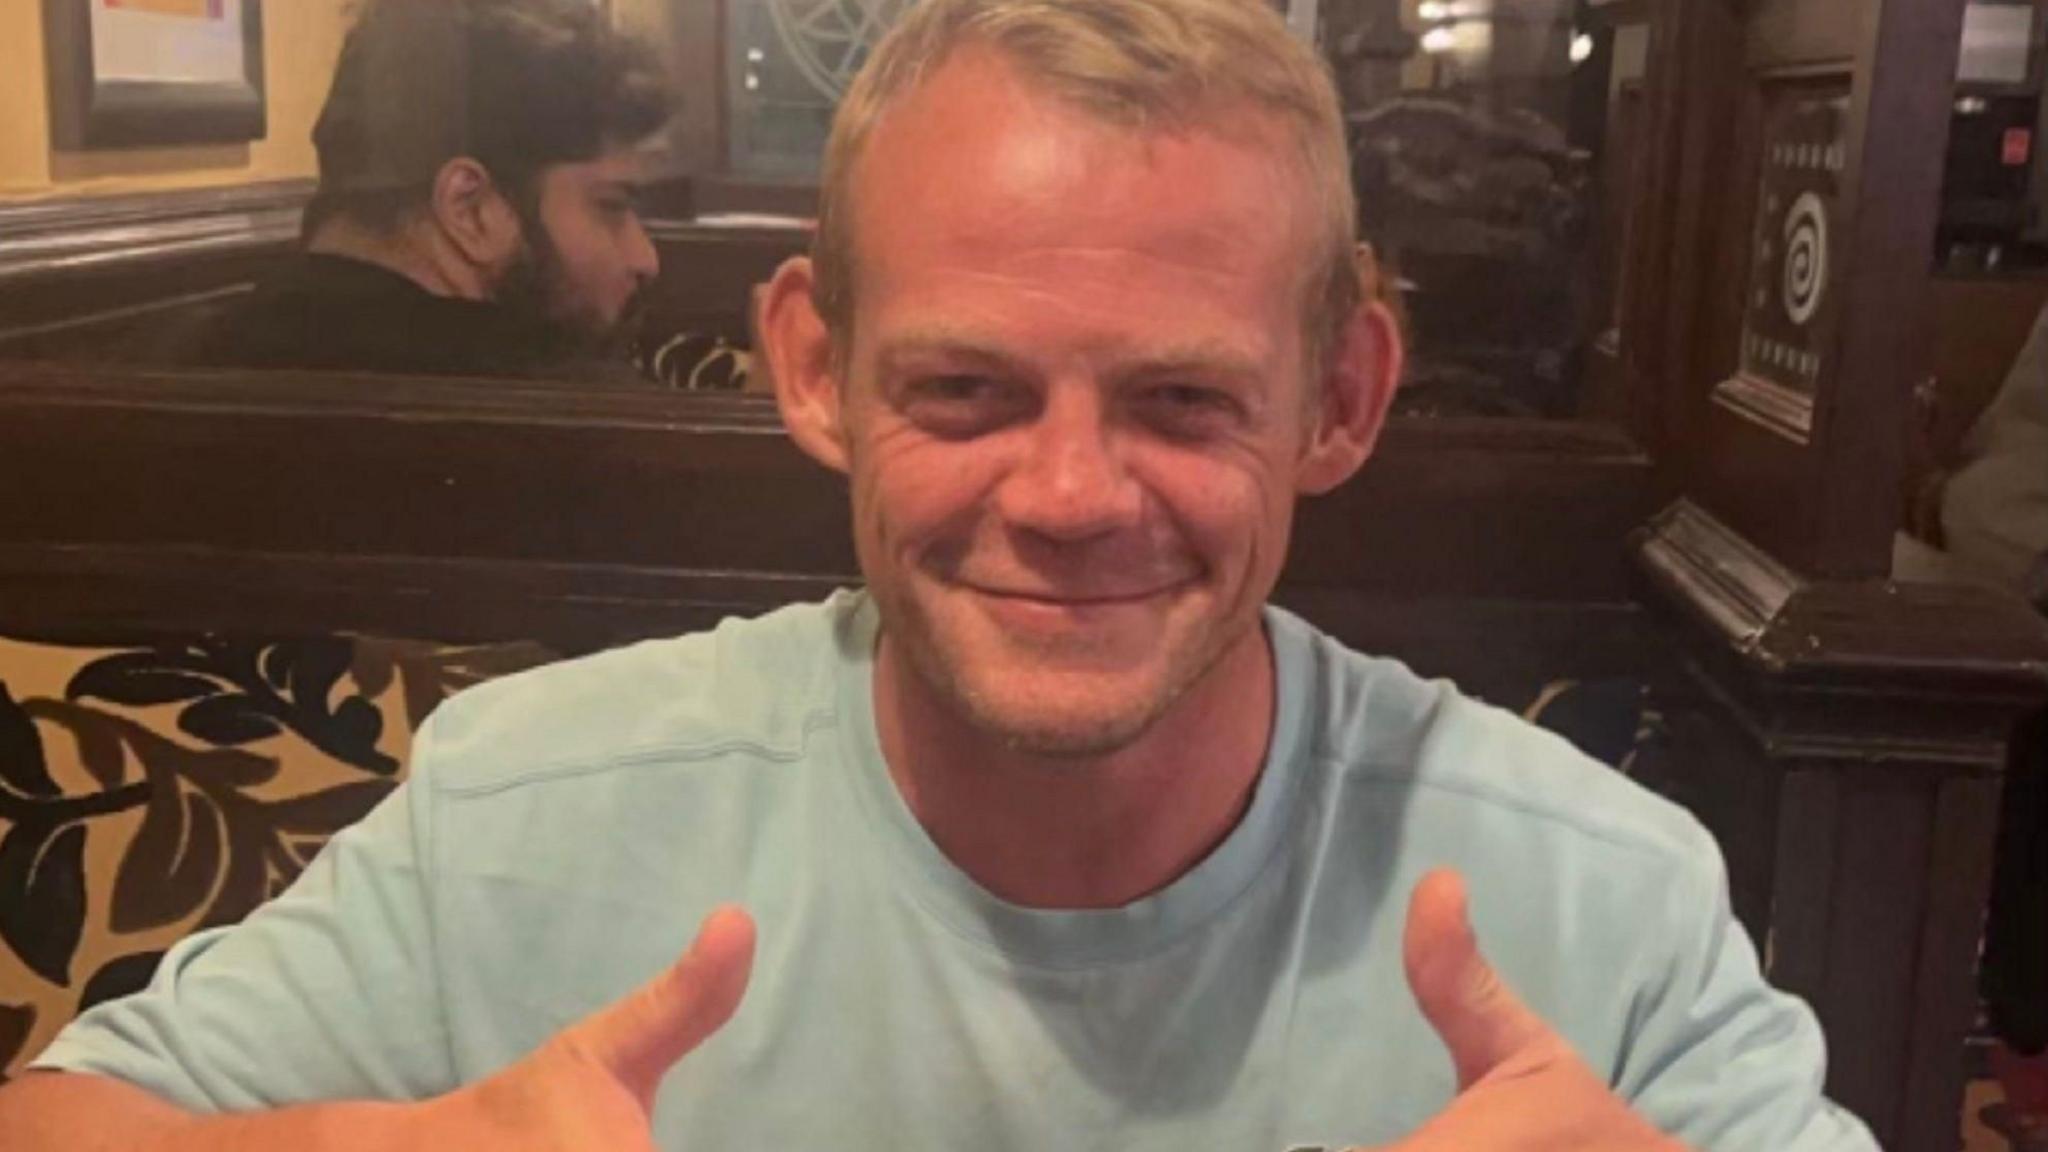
{"points": [[1785, 412], [73, 234]]}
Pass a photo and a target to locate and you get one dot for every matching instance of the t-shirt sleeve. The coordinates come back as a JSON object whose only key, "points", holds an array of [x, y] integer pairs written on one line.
{"points": [[1722, 1060], [327, 992]]}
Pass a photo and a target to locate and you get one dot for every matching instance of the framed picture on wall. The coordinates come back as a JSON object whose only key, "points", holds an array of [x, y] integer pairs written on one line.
{"points": [[148, 73]]}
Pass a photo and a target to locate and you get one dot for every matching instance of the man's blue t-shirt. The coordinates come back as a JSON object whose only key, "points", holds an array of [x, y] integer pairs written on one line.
{"points": [[565, 830]]}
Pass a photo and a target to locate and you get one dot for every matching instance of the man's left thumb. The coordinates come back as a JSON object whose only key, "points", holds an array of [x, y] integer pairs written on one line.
{"points": [[1481, 1020]]}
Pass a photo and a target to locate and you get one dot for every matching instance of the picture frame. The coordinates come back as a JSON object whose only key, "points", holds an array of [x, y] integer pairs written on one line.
{"points": [[154, 73]]}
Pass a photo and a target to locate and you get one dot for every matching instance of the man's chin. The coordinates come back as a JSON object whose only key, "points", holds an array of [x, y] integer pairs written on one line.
{"points": [[1061, 737], [1062, 717], [1046, 686]]}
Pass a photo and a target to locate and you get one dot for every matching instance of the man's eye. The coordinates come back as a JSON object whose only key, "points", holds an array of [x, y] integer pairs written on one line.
{"points": [[956, 389], [962, 405], [1189, 408], [1189, 396]]}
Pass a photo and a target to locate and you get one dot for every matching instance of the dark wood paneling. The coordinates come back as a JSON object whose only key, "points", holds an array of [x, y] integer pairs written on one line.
{"points": [[1822, 497], [1613, 13], [273, 502], [697, 47], [1793, 33], [1980, 325], [1872, 938], [278, 463], [1752, 475], [1901, 111], [82, 592], [1692, 81], [709, 274], [722, 192], [39, 238], [77, 275], [1944, 993], [1801, 914], [271, 463], [89, 279], [1479, 508], [1861, 728], [1743, 471], [1527, 644]]}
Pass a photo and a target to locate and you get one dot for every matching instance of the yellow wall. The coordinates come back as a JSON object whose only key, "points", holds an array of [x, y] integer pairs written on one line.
{"points": [[300, 41]]}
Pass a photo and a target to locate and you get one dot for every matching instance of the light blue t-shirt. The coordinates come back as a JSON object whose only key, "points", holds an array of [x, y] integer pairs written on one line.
{"points": [[565, 830]]}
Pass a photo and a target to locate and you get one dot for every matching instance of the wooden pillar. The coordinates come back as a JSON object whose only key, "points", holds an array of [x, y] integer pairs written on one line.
{"points": [[1846, 741]]}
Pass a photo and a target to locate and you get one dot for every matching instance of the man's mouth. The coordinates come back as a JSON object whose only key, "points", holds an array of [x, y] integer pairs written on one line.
{"points": [[1092, 598]]}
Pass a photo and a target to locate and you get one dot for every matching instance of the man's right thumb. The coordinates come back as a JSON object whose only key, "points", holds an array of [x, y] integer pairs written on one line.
{"points": [[657, 1024]]}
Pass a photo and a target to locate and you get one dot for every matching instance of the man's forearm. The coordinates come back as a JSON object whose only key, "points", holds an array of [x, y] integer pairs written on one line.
{"points": [[63, 1112]]}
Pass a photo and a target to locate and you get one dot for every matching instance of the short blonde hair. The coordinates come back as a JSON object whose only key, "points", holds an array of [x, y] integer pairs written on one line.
{"points": [[1143, 64]]}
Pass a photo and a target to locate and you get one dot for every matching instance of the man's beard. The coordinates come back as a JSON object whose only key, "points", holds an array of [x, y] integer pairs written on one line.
{"points": [[1041, 728], [535, 290]]}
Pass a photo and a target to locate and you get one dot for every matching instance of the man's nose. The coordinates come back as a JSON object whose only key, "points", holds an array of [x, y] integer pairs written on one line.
{"points": [[1072, 482], [643, 259]]}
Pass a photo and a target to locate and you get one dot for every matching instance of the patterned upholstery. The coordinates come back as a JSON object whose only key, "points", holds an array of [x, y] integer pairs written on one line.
{"points": [[149, 791], [697, 362]]}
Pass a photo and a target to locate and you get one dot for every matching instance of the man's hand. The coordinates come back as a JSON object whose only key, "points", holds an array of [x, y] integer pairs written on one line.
{"points": [[591, 1088], [1521, 1088]]}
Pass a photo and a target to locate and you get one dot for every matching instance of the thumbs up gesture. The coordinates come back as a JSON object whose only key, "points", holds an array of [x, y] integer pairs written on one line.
{"points": [[591, 1088], [1521, 1088]]}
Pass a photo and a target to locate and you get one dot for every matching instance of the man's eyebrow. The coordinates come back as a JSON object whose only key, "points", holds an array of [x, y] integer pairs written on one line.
{"points": [[954, 348], [1202, 358], [1208, 359]]}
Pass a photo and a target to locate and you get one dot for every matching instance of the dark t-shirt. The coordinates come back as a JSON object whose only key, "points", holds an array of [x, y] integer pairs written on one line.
{"points": [[332, 313]]}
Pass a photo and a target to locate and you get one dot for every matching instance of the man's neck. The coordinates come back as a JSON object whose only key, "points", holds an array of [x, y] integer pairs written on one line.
{"points": [[1069, 833], [405, 252]]}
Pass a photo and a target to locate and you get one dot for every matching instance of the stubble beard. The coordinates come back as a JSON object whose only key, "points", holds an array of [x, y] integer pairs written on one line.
{"points": [[1039, 729], [536, 289]]}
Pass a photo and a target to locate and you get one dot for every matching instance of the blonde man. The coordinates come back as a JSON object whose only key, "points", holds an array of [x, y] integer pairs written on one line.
{"points": [[1058, 837]]}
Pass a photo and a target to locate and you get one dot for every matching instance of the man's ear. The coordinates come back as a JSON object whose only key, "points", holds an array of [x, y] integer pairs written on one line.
{"points": [[801, 366], [1357, 388], [474, 215]]}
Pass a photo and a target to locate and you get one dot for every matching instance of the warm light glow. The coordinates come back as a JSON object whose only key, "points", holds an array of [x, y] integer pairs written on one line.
{"points": [[1439, 40], [1433, 10], [1582, 48]]}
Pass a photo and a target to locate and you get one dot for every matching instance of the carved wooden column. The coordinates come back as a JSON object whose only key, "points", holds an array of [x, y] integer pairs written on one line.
{"points": [[1845, 742], [1842, 735]]}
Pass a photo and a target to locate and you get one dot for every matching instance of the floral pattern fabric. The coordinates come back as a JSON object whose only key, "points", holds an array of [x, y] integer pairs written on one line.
{"points": [[152, 790]]}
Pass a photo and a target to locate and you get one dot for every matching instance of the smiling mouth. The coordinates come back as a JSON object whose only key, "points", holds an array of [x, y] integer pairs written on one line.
{"points": [[1090, 600]]}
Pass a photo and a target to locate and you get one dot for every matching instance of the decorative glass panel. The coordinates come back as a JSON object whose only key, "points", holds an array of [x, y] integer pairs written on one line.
{"points": [[1478, 128], [787, 64], [1794, 252]]}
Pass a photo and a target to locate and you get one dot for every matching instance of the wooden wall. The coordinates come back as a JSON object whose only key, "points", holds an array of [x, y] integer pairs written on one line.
{"points": [[80, 277], [1980, 324], [464, 513]]}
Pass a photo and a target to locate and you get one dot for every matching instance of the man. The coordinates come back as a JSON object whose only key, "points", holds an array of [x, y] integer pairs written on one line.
{"points": [[476, 210], [1057, 837]]}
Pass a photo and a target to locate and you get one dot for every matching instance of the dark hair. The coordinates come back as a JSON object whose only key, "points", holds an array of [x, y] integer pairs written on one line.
{"points": [[518, 85]]}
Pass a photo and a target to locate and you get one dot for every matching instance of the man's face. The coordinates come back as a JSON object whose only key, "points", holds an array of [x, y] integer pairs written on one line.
{"points": [[588, 257], [1075, 401]]}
